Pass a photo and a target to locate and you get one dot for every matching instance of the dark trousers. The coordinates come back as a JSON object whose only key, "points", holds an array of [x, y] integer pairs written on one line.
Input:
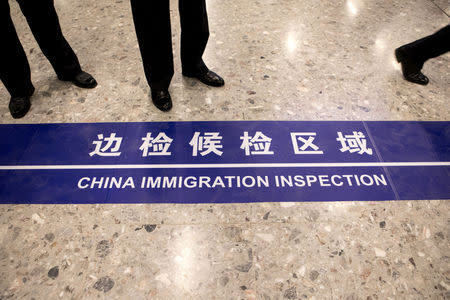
{"points": [[44, 24], [430, 46], [152, 23]]}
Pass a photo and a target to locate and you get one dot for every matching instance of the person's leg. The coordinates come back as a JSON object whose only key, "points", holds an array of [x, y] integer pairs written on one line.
{"points": [[154, 35], [44, 24], [194, 37], [429, 47], [415, 54], [14, 68]]}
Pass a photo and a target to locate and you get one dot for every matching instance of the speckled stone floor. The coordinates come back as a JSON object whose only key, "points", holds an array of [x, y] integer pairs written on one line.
{"points": [[282, 60]]}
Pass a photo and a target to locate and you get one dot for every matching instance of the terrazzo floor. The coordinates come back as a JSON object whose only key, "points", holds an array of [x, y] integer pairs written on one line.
{"points": [[281, 60]]}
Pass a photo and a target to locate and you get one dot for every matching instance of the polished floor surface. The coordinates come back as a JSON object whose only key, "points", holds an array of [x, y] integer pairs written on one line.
{"points": [[282, 60]]}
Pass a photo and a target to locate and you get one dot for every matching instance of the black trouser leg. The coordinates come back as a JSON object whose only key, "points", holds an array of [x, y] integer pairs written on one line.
{"points": [[194, 35], [431, 46], [43, 21], [14, 68], [152, 23]]}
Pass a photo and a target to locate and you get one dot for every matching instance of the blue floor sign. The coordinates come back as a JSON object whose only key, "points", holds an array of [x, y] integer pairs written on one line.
{"points": [[224, 162]]}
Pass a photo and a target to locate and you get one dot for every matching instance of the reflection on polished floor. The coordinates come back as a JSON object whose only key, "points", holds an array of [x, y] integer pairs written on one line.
{"points": [[282, 60]]}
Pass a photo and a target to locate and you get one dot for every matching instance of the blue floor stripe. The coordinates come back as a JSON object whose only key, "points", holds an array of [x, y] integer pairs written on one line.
{"points": [[224, 162]]}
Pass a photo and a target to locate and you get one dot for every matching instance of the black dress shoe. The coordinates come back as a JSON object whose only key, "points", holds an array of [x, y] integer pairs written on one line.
{"points": [[162, 100], [410, 67], [82, 80], [19, 106], [208, 78]]}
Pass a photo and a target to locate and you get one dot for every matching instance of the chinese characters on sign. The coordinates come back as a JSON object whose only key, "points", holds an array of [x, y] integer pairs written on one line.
{"points": [[308, 147], [156, 146], [211, 143], [354, 143], [259, 142], [108, 149]]}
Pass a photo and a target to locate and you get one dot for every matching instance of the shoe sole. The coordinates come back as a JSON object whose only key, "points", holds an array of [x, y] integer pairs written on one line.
{"points": [[163, 109], [84, 86], [212, 84], [204, 82], [207, 82], [19, 116], [91, 86]]}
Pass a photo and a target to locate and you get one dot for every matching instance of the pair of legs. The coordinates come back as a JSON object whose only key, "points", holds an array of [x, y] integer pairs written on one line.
{"points": [[14, 67], [412, 56], [153, 30]]}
